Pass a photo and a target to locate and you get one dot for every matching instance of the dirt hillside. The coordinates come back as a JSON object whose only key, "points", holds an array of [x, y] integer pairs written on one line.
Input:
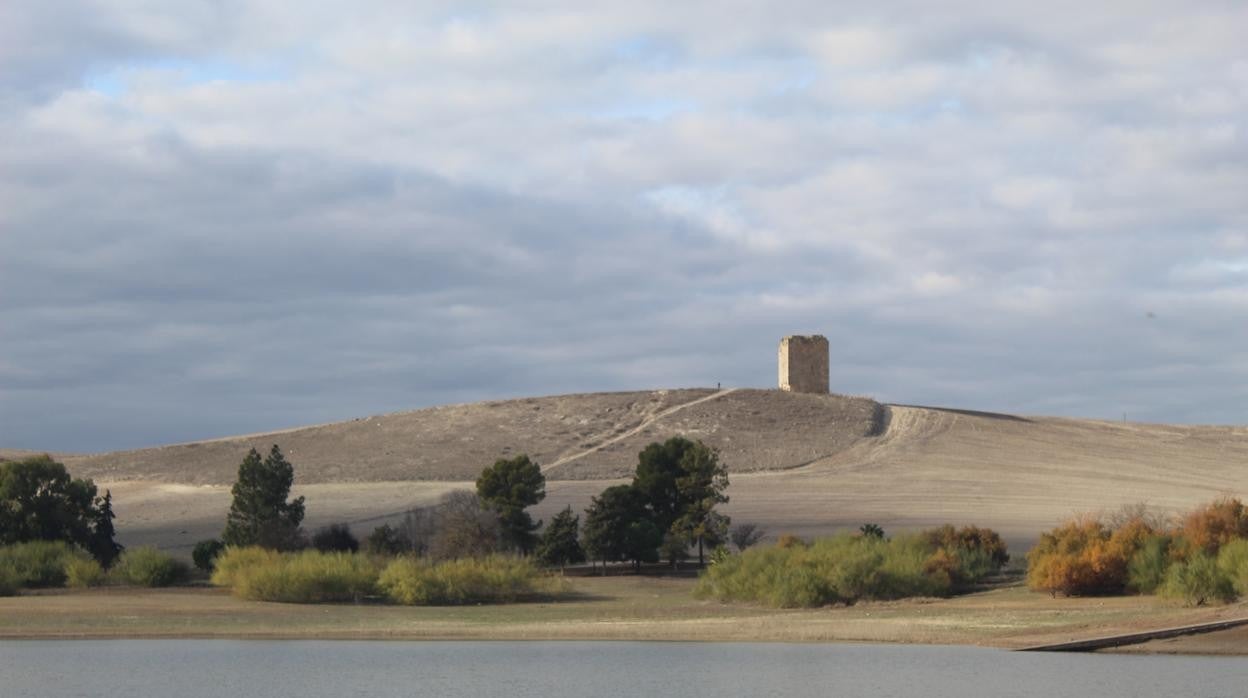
{"points": [[799, 463], [576, 437]]}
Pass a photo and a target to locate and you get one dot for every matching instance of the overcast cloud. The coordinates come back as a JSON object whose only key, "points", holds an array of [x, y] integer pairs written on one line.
{"points": [[222, 217]]}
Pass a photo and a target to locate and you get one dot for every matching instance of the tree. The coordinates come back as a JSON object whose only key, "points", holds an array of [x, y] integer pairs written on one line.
{"points": [[464, 528], [745, 535], [384, 540], [870, 530], [659, 467], [699, 488], [335, 537], [100, 542], [506, 488], [618, 527], [260, 514], [40, 501], [559, 544], [674, 548], [205, 553]]}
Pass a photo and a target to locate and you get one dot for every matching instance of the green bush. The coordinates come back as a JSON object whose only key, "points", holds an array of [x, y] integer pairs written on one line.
{"points": [[205, 553], [307, 577], [83, 572], [234, 561], [38, 563], [148, 567], [9, 583], [1197, 581], [492, 579], [1233, 563], [1146, 571], [845, 569]]}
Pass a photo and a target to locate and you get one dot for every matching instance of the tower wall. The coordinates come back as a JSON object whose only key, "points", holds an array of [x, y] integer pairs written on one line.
{"points": [[804, 364]]}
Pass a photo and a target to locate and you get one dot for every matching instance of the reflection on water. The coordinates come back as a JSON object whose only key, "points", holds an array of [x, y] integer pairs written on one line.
{"points": [[195, 668]]}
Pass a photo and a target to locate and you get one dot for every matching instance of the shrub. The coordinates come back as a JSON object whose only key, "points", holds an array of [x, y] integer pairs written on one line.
{"points": [[384, 540], [38, 563], [1197, 581], [234, 561], [1146, 571], [335, 538], [9, 583], [205, 553], [1078, 559], [845, 569], [1216, 524], [82, 572], [310, 576], [788, 540], [148, 567], [492, 579], [1233, 563]]}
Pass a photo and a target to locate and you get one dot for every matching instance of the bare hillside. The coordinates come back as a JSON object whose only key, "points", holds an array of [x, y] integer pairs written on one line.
{"points": [[574, 436], [805, 464]]}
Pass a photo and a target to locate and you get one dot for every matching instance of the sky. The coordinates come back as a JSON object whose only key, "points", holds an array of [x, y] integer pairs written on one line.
{"points": [[222, 216]]}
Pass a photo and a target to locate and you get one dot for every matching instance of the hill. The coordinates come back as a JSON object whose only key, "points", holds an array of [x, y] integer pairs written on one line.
{"points": [[576, 437], [808, 464]]}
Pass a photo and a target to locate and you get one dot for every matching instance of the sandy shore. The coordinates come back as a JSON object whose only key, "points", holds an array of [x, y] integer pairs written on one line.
{"points": [[614, 608]]}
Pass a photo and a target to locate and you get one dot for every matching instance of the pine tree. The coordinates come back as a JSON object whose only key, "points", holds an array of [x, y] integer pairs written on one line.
{"points": [[559, 544], [506, 488], [260, 514], [100, 544]]}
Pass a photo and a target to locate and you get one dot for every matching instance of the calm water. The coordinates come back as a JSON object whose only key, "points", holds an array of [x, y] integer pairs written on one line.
{"points": [[195, 668]]}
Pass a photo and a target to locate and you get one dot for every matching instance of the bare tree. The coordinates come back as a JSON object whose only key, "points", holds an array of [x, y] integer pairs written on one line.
{"points": [[743, 535], [465, 528]]}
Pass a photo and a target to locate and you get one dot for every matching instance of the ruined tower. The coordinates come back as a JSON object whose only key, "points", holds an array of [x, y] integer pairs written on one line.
{"points": [[804, 364]]}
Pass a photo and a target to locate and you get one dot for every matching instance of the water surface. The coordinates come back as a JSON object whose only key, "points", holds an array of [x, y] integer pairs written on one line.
{"points": [[299, 669]]}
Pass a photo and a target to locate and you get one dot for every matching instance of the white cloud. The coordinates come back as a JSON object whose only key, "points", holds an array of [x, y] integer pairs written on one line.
{"points": [[346, 211]]}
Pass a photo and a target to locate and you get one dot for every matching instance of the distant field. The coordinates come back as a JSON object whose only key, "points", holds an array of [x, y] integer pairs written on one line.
{"points": [[799, 463]]}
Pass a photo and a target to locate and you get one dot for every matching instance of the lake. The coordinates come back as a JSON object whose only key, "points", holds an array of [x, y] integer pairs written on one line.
{"points": [[242, 668]]}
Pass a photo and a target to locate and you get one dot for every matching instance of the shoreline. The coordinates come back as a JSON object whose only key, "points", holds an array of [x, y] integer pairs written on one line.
{"points": [[623, 608]]}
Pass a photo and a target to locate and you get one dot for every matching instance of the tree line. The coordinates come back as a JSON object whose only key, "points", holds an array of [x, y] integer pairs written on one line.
{"points": [[669, 507]]}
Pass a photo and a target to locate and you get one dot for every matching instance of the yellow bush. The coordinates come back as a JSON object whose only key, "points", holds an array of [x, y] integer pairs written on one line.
{"points": [[492, 579]]}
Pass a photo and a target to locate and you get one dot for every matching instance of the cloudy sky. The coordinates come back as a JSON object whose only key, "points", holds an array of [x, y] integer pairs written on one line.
{"points": [[227, 216]]}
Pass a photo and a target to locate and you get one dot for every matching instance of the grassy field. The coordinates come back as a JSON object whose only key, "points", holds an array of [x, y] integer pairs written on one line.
{"points": [[610, 608]]}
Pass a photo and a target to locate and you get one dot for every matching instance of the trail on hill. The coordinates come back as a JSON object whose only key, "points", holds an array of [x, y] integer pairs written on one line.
{"points": [[649, 421]]}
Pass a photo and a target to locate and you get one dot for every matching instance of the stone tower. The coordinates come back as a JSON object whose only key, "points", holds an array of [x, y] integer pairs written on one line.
{"points": [[804, 364]]}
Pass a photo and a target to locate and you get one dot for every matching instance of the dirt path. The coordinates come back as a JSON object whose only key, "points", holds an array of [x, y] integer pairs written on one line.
{"points": [[646, 423]]}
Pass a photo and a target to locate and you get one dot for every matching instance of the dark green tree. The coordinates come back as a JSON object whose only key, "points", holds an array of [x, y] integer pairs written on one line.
{"points": [[560, 544], [619, 527], [870, 530], [260, 514], [699, 488], [335, 537], [506, 488], [40, 501], [658, 469], [100, 544], [384, 540], [205, 553]]}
